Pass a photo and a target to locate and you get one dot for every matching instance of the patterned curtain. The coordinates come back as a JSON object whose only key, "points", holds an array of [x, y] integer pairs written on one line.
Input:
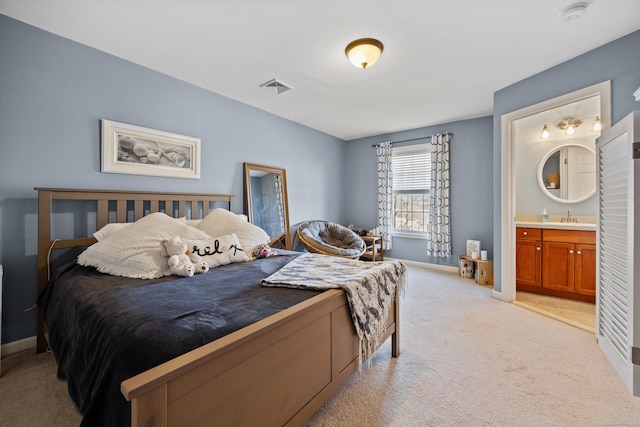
{"points": [[439, 231], [385, 193]]}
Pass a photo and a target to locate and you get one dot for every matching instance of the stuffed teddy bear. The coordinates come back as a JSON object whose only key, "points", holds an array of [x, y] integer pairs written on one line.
{"points": [[181, 261], [263, 251]]}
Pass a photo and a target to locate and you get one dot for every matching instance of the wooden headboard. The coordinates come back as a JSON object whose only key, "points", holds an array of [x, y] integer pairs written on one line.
{"points": [[123, 206]]}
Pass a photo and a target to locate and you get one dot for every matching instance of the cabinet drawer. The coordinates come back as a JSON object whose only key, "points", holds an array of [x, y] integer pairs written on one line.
{"points": [[569, 236], [528, 233]]}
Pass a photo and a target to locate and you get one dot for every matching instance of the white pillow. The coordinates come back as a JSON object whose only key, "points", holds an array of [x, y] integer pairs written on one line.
{"points": [[195, 222], [135, 251], [221, 222], [109, 228], [192, 222], [218, 251]]}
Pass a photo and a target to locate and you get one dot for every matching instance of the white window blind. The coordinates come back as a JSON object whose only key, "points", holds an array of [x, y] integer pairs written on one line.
{"points": [[411, 168]]}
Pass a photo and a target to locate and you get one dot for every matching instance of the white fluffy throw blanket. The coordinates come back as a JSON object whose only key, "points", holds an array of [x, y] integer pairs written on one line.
{"points": [[370, 288]]}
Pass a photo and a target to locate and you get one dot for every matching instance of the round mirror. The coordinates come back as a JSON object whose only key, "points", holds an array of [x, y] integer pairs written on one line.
{"points": [[567, 174]]}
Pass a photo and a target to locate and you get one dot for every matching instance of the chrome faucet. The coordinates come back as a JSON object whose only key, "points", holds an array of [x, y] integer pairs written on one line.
{"points": [[569, 217]]}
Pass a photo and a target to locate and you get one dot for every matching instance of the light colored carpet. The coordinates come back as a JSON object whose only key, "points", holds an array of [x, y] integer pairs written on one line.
{"points": [[31, 395], [471, 360], [467, 360]]}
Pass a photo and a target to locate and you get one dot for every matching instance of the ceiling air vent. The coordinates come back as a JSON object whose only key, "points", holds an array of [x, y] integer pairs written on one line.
{"points": [[276, 85]]}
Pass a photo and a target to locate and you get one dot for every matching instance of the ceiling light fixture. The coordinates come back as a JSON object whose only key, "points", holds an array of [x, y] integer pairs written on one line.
{"points": [[569, 125], [597, 125], [545, 132], [364, 53]]}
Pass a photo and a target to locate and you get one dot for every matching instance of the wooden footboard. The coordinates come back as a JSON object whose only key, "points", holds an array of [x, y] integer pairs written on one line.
{"points": [[278, 371]]}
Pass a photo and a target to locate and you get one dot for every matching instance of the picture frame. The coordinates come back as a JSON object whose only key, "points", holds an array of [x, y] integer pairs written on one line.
{"points": [[473, 246], [136, 150]]}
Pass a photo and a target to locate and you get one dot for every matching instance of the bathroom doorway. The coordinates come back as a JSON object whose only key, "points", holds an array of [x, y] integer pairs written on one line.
{"points": [[527, 125]]}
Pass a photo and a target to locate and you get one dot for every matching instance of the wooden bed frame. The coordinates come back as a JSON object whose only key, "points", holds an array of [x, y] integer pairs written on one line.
{"points": [[277, 371]]}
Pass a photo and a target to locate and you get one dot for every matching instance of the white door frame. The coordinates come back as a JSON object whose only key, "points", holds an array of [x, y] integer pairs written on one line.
{"points": [[508, 182]]}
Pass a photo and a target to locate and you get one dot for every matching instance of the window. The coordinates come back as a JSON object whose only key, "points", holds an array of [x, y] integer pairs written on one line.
{"points": [[411, 167]]}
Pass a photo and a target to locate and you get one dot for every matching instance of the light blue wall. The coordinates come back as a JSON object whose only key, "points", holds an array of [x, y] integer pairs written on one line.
{"points": [[53, 93], [471, 153], [617, 61]]}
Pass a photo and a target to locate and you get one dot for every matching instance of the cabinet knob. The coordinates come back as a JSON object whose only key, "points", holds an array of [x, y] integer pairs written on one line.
{"points": [[579, 252], [570, 251], [537, 248], [524, 233]]}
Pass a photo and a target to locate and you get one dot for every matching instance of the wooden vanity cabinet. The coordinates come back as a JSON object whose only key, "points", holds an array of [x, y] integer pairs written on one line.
{"points": [[569, 263], [556, 262], [558, 266], [585, 270], [528, 258]]}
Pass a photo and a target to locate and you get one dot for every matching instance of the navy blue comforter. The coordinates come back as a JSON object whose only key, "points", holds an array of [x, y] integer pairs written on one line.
{"points": [[104, 329]]}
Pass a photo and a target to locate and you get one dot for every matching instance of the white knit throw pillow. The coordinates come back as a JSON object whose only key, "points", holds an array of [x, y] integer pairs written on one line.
{"points": [[221, 222], [136, 250]]}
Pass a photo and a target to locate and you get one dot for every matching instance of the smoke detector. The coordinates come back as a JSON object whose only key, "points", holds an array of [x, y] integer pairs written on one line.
{"points": [[573, 12], [276, 85]]}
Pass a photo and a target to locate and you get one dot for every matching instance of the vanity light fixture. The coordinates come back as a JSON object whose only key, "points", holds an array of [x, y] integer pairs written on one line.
{"points": [[569, 125], [364, 53], [597, 125], [545, 132]]}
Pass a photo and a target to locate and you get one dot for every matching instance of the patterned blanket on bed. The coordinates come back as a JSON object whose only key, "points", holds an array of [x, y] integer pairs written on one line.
{"points": [[370, 288]]}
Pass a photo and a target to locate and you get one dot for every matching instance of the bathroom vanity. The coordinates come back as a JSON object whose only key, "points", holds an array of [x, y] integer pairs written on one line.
{"points": [[557, 259]]}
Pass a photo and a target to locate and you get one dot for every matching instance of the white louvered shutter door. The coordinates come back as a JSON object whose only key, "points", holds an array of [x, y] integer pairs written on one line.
{"points": [[616, 242]]}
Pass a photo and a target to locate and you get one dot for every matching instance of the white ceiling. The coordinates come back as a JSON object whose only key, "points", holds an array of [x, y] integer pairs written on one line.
{"points": [[442, 60]]}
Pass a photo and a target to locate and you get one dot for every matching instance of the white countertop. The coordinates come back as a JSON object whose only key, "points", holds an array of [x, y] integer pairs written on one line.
{"points": [[585, 226]]}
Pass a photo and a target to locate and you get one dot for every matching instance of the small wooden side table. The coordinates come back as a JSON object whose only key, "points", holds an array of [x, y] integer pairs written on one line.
{"points": [[375, 246], [480, 270]]}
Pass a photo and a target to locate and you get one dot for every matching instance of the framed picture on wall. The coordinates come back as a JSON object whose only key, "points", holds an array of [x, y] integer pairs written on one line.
{"points": [[473, 248], [136, 150]]}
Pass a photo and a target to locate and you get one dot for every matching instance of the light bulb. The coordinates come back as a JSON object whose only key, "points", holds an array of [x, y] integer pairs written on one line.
{"points": [[570, 130], [597, 125], [545, 132]]}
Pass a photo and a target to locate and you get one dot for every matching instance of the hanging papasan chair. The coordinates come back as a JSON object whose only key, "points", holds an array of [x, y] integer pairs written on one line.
{"points": [[329, 238]]}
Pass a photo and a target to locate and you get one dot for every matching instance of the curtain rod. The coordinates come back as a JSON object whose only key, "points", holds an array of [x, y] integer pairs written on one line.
{"points": [[404, 140], [412, 139]]}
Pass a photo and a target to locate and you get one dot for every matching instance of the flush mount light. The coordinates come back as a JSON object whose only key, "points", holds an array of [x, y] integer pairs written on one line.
{"points": [[569, 125], [364, 53]]}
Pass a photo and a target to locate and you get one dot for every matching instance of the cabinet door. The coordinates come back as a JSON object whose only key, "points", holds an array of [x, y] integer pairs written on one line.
{"points": [[528, 263], [558, 266], [585, 266]]}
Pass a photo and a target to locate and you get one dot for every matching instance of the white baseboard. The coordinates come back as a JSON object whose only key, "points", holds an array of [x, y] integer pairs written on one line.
{"points": [[500, 295], [19, 345], [449, 268]]}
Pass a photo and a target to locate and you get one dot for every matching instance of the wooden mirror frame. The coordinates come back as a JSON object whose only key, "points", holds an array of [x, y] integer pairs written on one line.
{"points": [[252, 167]]}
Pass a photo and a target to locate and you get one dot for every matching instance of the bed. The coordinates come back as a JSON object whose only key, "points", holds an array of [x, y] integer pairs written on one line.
{"points": [[277, 370]]}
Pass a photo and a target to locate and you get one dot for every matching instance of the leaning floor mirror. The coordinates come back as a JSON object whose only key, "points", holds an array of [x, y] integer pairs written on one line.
{"points": [[265, 197]]}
